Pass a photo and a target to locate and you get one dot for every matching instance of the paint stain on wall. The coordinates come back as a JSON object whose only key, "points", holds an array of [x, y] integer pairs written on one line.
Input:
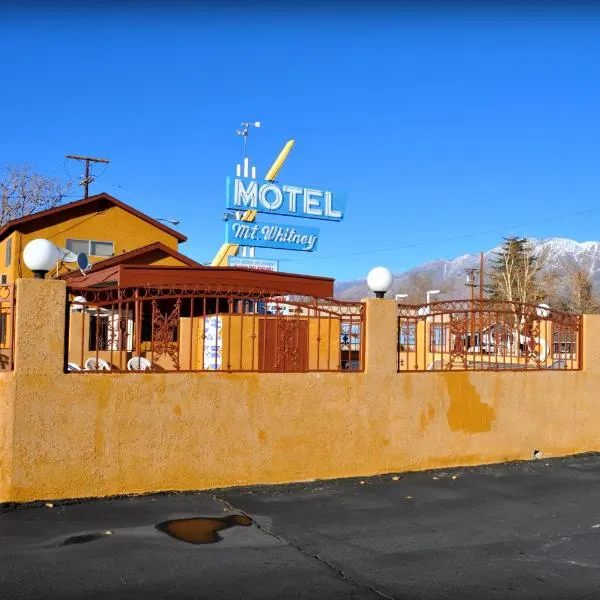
{"points": [[427, 417], [262, 436], [466, 411], [177, 410]]}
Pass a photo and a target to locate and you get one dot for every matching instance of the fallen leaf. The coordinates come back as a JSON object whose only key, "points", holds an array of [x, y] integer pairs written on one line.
{"points": [[436, 478], [395, 478], [408, 497], [363, 482], [49, 505], [453, 476]]}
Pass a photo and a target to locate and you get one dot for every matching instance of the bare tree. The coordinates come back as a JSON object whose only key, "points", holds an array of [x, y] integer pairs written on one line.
{"points": [[24, 191], [580, 291]]}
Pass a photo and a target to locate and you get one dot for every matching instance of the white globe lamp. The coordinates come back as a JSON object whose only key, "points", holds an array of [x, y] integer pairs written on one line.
{"points": [[379, 281], [40, 256]]}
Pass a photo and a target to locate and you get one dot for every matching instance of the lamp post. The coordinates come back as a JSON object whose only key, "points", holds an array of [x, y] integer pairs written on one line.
{"points": [[379, 281], [470, 282], [40, 256]]}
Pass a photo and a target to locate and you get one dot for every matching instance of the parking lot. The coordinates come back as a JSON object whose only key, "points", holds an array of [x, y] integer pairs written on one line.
{"points": [[518, 530]]}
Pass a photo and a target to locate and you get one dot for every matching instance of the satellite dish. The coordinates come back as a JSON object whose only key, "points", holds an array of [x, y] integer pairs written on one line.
{"points": [[82, 261], [66, 255]]}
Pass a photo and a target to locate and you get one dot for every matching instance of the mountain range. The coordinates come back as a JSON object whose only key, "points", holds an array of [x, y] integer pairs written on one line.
{"points": [[560, 256]]}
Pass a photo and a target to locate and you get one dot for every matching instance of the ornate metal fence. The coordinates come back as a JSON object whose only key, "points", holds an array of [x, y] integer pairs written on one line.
{"points": [[487, 335], [7, 321], [139, 329]]}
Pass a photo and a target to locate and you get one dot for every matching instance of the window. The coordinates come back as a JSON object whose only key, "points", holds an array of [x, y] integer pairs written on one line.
{"points": [[3, 329], [91, 247], [3, 279], [8, 255], [564, 343], [101, 248], [407, 337], [438, 338]]}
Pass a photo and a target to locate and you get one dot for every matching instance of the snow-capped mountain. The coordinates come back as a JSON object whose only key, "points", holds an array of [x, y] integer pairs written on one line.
{"points": [[559, 256]]}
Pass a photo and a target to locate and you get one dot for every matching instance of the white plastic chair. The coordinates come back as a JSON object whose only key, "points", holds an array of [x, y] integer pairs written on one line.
{"points": [[139, 363], [73, 367], [93, 364]]}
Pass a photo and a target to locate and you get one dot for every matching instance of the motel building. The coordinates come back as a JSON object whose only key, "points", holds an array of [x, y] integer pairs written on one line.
{"points": [[143, 305]]}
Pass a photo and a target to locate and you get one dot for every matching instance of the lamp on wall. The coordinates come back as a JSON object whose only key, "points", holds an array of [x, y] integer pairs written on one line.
{"points": [[379, 281], [40, 256]]}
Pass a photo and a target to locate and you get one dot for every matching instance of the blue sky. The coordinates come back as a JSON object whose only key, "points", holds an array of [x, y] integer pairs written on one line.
{"points": [[448, 129]]}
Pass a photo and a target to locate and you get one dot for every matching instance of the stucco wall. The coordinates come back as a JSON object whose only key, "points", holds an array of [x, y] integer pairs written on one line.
{"points": [[77, 435]]}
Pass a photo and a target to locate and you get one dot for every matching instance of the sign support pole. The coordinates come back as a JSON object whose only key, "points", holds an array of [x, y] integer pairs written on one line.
{"points": [[227, 250]]}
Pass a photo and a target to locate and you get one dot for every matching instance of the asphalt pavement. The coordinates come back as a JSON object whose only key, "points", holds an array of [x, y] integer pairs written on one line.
{"points": [[518, 530]]}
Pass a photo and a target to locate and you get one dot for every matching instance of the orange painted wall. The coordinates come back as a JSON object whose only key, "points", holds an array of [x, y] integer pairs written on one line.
{"points": [[74, 435]]}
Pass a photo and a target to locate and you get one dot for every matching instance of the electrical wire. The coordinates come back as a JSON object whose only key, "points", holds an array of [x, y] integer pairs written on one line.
{"points": [[441, 240]]}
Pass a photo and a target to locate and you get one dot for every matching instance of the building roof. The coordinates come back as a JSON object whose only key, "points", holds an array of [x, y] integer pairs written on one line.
{"points": [[139, 256], [225, 279], [83, 206]]}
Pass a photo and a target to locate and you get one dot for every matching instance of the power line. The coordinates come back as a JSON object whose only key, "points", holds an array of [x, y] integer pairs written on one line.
{"points": [[442, 240]]}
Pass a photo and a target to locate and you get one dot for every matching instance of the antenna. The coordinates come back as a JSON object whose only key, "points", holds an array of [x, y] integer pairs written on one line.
{"points": [[244, 133]]}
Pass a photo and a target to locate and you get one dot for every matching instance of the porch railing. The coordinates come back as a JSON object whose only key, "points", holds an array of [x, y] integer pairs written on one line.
{"points": [[487, 335], [197, 330], [7, 321]]}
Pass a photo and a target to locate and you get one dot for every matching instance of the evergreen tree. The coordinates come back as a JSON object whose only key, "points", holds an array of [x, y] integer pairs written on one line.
{"points": [[515, 272]]}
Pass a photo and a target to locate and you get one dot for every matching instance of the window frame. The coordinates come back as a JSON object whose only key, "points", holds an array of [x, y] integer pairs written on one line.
{"points": [[90, 243]]}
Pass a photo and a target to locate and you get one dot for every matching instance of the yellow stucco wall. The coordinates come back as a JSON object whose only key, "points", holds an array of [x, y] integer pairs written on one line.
{"points": [[77, 435], [113, 224]]}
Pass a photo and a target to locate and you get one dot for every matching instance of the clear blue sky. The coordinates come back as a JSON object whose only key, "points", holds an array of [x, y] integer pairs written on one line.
{"points": [[441, 126]]}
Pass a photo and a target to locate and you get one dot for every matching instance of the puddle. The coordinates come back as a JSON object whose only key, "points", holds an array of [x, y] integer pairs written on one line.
{"points": [[201, 530], [84, 538]]}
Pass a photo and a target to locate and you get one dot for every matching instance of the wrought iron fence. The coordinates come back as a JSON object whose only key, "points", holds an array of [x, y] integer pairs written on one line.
{"points": [[7, 328], [160, 329], [487, 335]]}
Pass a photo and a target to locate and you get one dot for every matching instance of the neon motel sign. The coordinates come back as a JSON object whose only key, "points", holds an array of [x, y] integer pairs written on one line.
{"points": [[284, 200]]}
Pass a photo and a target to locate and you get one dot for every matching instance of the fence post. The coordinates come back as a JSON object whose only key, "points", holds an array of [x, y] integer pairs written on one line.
{"points": [[381, 343], [40, 325]]}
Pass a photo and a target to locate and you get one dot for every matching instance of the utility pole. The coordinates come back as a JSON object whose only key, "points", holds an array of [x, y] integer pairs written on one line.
{"points": [[470, 282], [87, 178]]}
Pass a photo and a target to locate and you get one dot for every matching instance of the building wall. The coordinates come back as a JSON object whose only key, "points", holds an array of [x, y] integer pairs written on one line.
{"points": [[113, 224], [78, 435]]}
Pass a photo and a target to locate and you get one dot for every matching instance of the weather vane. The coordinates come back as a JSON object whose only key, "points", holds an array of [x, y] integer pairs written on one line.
{"points": [[244, 133]]}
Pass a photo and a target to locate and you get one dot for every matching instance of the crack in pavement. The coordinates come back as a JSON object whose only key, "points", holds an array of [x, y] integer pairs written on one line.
{"points": [[338, 572]]}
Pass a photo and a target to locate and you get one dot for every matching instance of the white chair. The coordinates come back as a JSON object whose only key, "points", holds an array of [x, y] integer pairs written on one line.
{"points": [[139, 363], [73, 367], [93, 364]]}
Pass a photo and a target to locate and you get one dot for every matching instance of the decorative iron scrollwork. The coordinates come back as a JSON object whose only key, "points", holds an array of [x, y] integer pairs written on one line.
{"points": [[163, 328]]}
